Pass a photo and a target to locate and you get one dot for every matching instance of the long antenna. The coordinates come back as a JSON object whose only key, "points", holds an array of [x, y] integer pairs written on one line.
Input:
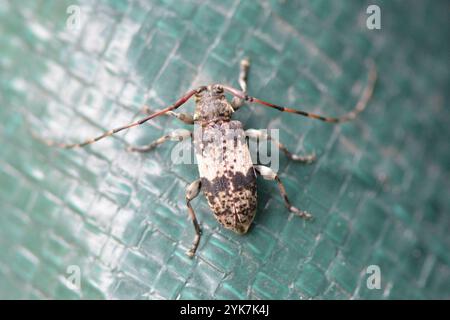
{"points": [[108, 133], [360, 106]]}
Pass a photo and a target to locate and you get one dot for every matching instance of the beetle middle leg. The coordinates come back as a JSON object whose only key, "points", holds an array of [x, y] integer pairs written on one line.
{"points": [[269, 174], [192, 192], [177, 135], [260, 134]]}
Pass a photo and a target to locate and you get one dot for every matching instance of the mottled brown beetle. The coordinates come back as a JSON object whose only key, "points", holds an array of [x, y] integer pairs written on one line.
{"points": [[229, 185]]}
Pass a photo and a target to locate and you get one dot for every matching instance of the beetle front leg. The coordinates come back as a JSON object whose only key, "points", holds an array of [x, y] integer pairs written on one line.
{"points": [[260, 134], [237, 102], [192, 191], [184, 117], [269, 174], [177, 135]]}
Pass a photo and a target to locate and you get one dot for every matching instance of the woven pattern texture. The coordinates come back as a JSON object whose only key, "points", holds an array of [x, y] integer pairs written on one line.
{"points": [[379, 190]]}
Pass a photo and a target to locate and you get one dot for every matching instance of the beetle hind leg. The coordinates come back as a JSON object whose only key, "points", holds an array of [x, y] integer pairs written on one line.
{"points": [[192, 192], [269, 174]]}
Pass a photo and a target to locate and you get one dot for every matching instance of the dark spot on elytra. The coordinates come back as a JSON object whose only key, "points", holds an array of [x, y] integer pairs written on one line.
{"points": [[210, 197], [239, 180], [215, 186]]}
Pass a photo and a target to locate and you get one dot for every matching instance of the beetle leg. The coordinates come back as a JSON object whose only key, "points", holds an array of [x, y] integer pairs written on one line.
{"points": [[184, 117], [237, 102], [269, 174], [192, 191], [177, 135], [260, 134]]}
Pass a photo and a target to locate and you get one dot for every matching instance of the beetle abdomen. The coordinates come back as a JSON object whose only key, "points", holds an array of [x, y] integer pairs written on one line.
{"points": [[227, 175]]}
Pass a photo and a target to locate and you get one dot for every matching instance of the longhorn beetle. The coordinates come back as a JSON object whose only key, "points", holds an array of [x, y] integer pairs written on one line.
{"points": [[229, 184]]}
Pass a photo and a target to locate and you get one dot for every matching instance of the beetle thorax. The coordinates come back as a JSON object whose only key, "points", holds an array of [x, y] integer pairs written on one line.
{"points": [[211, 105]]}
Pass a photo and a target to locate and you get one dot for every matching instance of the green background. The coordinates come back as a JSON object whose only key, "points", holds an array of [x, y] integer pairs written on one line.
{"points": [[379, 190]]}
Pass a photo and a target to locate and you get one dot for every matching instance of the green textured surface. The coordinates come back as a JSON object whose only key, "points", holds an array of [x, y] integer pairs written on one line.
{"points": [[379, 191]]}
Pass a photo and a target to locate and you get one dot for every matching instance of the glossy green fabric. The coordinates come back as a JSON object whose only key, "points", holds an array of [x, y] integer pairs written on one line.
{"points": [[378, 192]]}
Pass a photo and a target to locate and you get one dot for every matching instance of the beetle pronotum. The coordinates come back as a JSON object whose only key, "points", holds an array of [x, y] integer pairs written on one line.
{"points": [[230, 184]]}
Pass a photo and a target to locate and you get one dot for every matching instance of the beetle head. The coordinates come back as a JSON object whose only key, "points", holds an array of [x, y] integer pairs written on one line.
{"points": [[212, 105]]}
